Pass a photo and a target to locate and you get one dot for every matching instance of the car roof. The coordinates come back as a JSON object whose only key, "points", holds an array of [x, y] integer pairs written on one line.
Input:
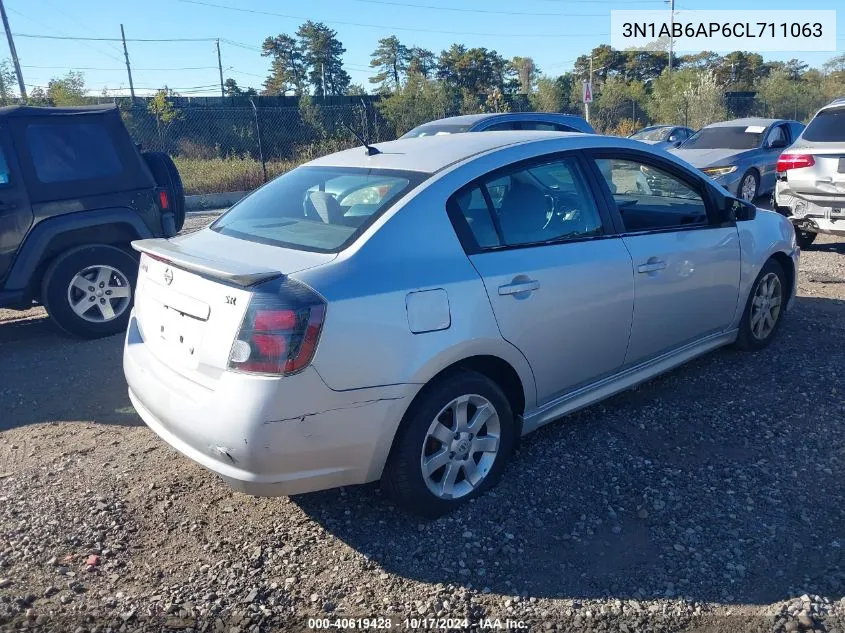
{"points": [[430, 154], [36, 111], [836, 103], [748, 121], [472, 119]]}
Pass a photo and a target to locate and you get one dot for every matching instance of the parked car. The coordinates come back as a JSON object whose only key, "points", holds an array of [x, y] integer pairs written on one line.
{"points": [[74, 192], [490, 284], [663, 136], [741, 155], [810, 189], [542, 121]]}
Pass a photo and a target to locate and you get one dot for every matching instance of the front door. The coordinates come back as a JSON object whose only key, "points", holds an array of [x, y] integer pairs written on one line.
{"points": [[15, 211], [560, 286], [686, 265]]}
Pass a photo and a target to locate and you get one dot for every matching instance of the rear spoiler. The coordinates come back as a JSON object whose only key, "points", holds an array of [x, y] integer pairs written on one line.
{"points": [[235, 273]]}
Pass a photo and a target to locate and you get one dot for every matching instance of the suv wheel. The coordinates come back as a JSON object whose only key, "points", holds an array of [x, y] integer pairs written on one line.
{"points": [[452, 446], [804, 238], [764, 310], [88, 290]]}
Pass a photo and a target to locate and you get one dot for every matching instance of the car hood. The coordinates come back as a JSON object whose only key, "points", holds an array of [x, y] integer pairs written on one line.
{"points": [[702, 158]]}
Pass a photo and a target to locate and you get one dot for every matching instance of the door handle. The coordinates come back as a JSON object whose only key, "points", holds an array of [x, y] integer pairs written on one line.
{"points": [[519, 286], [651, 267]]}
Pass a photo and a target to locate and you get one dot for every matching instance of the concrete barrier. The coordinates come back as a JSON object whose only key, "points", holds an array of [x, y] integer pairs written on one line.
{"points": [[206, 201]]}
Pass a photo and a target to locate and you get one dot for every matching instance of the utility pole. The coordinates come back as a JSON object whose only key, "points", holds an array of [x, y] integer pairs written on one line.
{"points": [[220, 68], [128, 69], [12, 50], [672, 26], [586, 104]]}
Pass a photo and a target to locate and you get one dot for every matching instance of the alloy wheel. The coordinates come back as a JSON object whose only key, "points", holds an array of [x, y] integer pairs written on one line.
{"points": [[98, 294], [460, 447], [765, 307], [748, 188]]}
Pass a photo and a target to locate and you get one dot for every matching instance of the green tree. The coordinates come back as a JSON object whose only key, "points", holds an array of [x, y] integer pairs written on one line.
{"points": [[419, 100], [323, 53], [288, 70], [495, 102], [688, 96], [390, 60], [162, 108], [355, 90], [421, 61], [526, 73], [8, 80], [68, 90], [741, 71], [476, 69], [552, 94]]}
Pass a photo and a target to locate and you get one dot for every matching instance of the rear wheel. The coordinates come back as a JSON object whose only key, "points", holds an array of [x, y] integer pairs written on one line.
{"points": [[804, 238], [452, 446], [166, 175], [88, 291]]}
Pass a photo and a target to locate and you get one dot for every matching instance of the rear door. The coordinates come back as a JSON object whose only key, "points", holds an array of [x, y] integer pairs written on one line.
{"points": [[559, 281], [686, 265], [15, 210]]}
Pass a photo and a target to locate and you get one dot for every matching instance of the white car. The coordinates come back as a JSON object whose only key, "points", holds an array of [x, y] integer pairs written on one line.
{"points": [[406, 313]]}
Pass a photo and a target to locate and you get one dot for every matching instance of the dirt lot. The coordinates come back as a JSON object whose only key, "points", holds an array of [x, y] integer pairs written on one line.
{"points": [[710, 499]]}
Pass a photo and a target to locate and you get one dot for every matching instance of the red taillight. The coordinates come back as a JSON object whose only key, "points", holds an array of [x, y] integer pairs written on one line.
{"points": [[280, 331], [794, 161], [163, 200]]}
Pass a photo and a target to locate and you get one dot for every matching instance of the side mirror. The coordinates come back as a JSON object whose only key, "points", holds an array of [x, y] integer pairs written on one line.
{"points": [[778, 143], [677, 143], [672, 139], [736, 210]]}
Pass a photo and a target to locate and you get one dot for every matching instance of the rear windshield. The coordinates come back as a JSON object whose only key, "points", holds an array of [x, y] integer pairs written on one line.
{"points": [[435, 129], [655, 134], [319, 209], [827, 126], [739, 137]]}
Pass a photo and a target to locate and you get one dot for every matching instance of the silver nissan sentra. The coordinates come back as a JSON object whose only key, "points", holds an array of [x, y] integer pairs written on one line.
{"points": [[404, 313]]}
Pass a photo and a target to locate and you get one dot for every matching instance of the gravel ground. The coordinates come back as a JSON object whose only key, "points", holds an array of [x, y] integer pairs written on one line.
{"points": [[710, 500]]}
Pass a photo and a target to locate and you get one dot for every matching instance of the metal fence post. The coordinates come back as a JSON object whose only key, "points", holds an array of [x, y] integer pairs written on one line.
{"points": [[258, 136]]}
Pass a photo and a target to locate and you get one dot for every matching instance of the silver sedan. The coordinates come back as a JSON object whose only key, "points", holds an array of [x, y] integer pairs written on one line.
{"points": [[458, 292]]}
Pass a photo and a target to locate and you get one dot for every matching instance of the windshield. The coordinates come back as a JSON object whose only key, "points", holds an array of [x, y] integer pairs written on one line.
{"points": [[319, 209], [433, 129], [733, 137], [652, 134], [828, 126]]}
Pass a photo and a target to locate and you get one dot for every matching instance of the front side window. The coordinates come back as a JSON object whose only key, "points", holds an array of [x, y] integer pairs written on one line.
{"points": [[541, 203], [317, 208], [652, 134], [649, 198], [81, 151], [777, 135]]}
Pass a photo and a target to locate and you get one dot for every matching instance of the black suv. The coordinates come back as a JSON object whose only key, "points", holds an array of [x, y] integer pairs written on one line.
{"points": [[74, 192]]}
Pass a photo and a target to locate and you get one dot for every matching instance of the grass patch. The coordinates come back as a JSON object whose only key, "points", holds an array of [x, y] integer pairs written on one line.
{"points": [[218, 175]]}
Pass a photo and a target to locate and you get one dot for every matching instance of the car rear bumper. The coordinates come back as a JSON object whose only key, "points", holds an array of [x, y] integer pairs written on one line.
{"points": [[811, 215], [266, 436]]}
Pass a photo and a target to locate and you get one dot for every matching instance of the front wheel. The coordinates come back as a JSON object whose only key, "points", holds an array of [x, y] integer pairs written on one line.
{"points": [[749, 186], [88, 290], [764, 309], [452, 446], [804, 238]]}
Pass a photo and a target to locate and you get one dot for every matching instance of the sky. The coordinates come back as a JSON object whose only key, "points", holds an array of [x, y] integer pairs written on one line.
{"points": [[552, 32]]}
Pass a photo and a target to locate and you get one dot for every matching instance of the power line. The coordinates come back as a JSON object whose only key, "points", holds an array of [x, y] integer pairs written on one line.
{"points": [[392, 28], [114, 39], [464, 10], [73, 19], [71, 67]]}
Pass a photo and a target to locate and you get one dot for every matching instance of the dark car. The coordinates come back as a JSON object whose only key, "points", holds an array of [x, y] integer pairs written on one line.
{"points": [[545, 121], [663, 136], [75, 190]]}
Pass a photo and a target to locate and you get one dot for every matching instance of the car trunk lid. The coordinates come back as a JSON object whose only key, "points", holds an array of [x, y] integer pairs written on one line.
{"points": [[192, 294]]}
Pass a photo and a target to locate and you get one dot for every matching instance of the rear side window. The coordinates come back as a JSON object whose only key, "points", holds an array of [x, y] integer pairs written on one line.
{"points": [[542, 203], [321, 209], [62, 153], [828, 126]]}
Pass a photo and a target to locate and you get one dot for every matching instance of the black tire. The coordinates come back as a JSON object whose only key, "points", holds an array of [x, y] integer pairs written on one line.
{"points": [[747, 340], [749, 174], [403, 477], [166, 175], [804, 238], [56, 294]]}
